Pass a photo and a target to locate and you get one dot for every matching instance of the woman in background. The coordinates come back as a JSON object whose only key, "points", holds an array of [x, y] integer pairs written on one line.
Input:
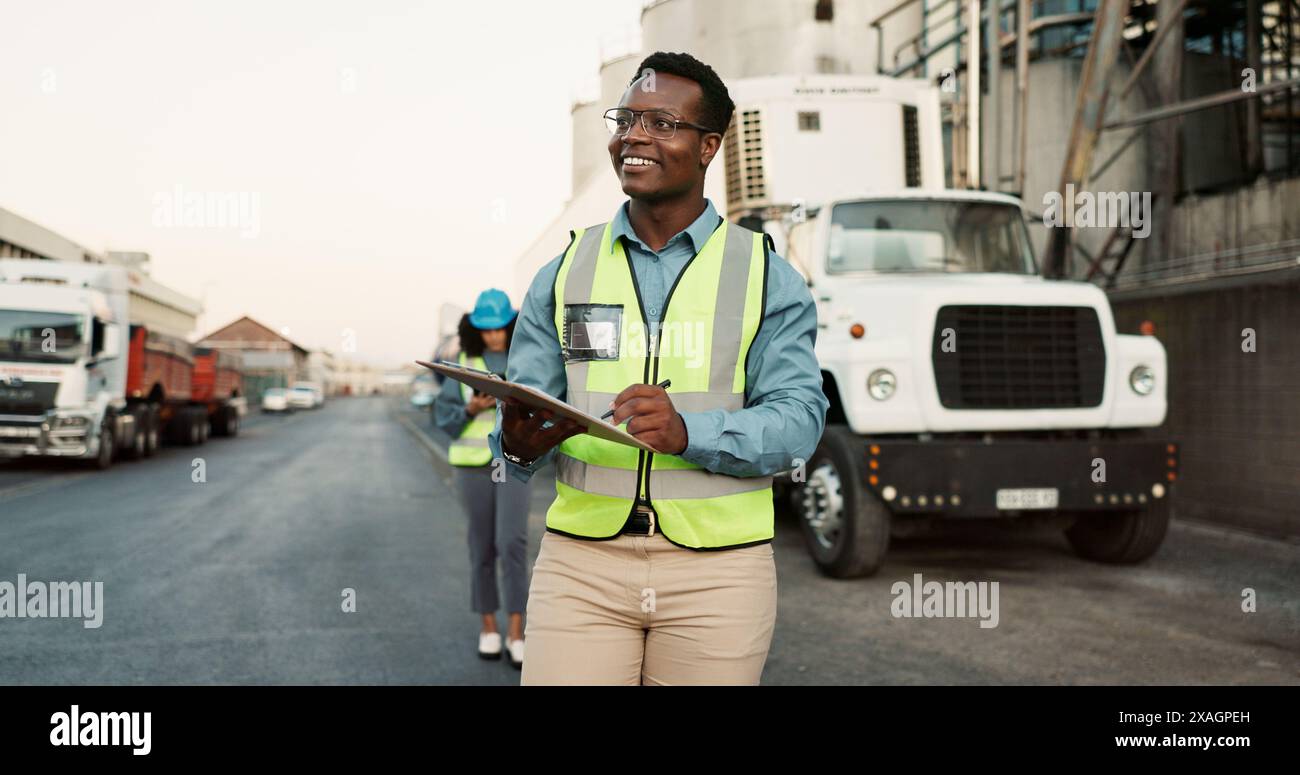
{"points": [[498, 510]]}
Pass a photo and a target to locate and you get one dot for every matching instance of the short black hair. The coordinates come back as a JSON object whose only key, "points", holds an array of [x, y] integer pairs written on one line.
{"points": [[716, 106], [471, 339]]}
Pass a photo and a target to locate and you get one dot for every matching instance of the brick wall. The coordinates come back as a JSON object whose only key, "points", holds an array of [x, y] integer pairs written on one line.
{"points": [[1236, 414]]}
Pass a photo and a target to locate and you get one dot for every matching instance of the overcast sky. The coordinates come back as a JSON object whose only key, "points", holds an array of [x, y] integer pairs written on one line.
{"points": [[387, 155]]}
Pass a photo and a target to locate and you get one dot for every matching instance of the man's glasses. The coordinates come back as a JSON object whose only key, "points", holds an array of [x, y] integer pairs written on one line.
{"points": [[656, 123]]}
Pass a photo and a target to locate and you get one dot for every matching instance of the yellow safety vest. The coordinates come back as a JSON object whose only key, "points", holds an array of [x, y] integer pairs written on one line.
{"points": [[709, 321], [471, 447]]}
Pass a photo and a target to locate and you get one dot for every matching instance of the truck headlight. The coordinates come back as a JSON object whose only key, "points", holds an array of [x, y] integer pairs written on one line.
{"points": [[1142, 379], [881, 384], [75, 421]]}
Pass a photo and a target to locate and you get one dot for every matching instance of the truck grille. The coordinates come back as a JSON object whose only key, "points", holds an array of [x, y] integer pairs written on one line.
{"points": [[28, 398], [1008, 357]]}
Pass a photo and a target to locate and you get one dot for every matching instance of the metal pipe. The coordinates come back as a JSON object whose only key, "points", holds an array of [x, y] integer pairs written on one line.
{"points": [[1201, 103], [1022, 92], [1290, 114], [898, 7], [913, 41], [973, 97], [1043, 22], [880, 32], [1090, 108], [1161, 33], [1254, 150], [1034, 26], [992, 31], [1124, 146]]}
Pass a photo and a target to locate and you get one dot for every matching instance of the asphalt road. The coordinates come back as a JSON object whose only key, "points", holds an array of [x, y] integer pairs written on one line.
{"points": [[239, 579]]}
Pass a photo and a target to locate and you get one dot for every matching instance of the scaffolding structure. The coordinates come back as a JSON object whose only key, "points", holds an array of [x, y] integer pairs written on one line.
{"points": [[1124, 45]]}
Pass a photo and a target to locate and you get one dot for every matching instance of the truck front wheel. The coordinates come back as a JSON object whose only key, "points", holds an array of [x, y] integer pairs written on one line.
{"points": [[1124, 537], [844, 527], [104, 460]]}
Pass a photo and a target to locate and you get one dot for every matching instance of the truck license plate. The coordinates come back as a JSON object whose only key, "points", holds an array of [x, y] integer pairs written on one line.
{"points": [[1029, 498]]}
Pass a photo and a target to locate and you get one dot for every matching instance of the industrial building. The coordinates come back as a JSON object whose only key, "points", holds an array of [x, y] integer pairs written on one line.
{"points": [[1188, 105], [270, 359]]}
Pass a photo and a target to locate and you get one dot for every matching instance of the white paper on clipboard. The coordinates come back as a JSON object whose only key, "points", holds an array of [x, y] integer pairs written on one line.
{"points": [[495, 386]]}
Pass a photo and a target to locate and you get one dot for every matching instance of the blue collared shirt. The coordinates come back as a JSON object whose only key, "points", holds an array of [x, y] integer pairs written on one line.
{"points": [[785, 408]]}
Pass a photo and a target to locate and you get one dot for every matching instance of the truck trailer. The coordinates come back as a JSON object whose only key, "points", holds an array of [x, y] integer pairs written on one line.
{"points": [[83, 377]]}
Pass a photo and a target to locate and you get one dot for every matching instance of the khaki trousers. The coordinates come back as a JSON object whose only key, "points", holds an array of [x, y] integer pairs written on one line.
{"points": [[639, 610]]}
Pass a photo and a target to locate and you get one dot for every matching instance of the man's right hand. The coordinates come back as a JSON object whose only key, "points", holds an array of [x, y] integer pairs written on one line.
{"points": [[522, 433]]}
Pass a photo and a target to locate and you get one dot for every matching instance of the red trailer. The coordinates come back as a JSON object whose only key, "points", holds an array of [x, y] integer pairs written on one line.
{"points": [[174, 389], [218, 385]]}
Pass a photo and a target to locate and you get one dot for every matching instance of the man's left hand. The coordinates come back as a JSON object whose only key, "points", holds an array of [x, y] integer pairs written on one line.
{"points": [[651, 418]]}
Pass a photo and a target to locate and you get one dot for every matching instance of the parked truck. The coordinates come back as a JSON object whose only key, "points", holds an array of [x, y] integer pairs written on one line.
{"points": [[81, 379], [962, 383]]}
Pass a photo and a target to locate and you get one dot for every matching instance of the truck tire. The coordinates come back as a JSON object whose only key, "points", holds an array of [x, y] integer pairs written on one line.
{"points": [[186, 427], [845, 528], [194, 434], [104, 460], [1120, 538], [139, 432], [152, 435], [201, 417], [225, 422]]}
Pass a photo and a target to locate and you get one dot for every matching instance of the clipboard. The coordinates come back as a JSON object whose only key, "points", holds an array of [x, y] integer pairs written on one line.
{"points": [[487, 382]]}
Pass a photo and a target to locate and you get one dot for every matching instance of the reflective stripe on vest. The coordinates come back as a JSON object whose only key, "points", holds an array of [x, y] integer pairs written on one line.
{"points": [[710, 318], [471, 447]]}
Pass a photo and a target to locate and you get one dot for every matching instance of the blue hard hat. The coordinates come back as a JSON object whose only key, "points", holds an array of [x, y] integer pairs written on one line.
{"points": [[492, 310]]}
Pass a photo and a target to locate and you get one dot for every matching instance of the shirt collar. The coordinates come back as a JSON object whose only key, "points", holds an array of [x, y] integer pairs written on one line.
{"points": [[698, 232]]}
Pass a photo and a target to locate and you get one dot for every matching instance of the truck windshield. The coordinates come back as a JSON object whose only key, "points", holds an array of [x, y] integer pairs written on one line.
{"points": [[47, 337], [928, 236]]}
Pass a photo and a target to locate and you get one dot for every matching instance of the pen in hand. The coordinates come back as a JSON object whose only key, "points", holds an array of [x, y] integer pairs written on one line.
{"points": [[665, 384]]}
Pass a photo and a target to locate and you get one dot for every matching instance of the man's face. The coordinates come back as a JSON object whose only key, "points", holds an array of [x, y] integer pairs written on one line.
{"points": [[676, 165]]}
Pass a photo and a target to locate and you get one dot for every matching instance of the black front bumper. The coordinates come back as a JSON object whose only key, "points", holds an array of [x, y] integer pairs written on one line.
{"points": [[961, 478]]}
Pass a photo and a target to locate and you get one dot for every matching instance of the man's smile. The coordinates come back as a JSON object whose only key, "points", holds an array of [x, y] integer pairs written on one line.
{"points": [[637, 163]]}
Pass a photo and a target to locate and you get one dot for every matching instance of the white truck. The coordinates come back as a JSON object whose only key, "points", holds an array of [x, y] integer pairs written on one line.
{"points": [[965, 385], [962, 384], [89, 371]]}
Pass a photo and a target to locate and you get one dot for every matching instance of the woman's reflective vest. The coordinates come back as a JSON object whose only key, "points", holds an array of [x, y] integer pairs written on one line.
{"points": [[471, 447], [709, 320]]}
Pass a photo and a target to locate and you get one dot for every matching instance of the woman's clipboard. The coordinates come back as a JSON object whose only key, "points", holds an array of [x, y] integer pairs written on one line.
{"points": [[487, 382]]}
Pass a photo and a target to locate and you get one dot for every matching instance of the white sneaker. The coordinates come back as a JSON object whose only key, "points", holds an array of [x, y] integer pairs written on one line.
{"points": [[489, 645], [516, 653]]}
